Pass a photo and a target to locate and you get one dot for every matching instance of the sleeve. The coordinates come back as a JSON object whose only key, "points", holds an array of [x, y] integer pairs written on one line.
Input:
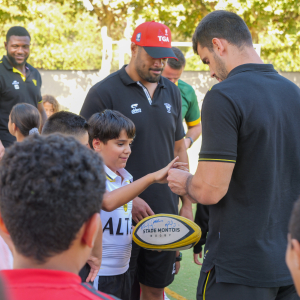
{"points": [[179, 133], [220, 123], [40, 100], [93, 103], [192, 116], [201, 219]]}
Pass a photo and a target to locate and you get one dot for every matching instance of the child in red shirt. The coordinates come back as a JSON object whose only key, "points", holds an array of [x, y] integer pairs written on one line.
{"points": [[51, 191]]}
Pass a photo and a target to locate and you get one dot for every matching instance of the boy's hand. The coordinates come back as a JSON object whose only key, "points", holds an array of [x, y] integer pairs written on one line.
{"points": [[95, 264], [161, 175], [181, 166]]}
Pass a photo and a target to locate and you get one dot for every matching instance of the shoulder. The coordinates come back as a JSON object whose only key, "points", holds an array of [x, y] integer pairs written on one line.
{"points": [[108, 82], [171, 90], [97, 295], [185, 87], [220, 97], [33, 70]]}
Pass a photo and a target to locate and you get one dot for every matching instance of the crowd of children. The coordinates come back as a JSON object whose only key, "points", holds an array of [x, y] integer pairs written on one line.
{"points": [[51, 189], [110, 135]]}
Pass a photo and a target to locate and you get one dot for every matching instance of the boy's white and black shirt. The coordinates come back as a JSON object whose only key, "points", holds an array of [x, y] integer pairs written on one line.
{"points": [[117, 232]]}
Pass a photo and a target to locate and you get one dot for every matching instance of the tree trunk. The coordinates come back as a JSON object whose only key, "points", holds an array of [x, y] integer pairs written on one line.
{"points": [[106, 54]]}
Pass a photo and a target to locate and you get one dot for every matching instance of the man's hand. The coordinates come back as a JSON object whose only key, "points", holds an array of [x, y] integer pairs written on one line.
{"points": [[196, 260], [140, 209], [2, 150], [95, 264], [177, 181]]}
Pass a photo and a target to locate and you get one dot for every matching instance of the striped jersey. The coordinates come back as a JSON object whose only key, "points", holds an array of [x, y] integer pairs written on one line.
{"points": [[117, 233]]}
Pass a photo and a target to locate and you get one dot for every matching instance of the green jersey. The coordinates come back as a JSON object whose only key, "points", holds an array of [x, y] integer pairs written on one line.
{"points": [[189, 106]]}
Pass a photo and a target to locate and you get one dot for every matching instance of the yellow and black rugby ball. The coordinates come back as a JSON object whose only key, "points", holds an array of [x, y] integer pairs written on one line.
{"points": [[166, 232]]}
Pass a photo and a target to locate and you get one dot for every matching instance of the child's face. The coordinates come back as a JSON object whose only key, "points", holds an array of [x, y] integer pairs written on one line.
{"points": [[48, 109], [292, 259], [116, 152]]}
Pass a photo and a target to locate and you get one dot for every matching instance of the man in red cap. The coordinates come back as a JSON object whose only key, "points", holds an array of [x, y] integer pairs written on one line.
{"points": [[153, 103]]}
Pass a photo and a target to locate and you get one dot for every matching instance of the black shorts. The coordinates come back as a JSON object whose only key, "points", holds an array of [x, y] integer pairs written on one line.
{"points": [[209, 289], [153, 268], [116, 285]]}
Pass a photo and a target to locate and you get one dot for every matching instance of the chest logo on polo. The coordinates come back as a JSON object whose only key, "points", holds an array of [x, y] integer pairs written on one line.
{"points": [[125, 206], [34, 81], [135, 110], [15, 83], [168, 107]]}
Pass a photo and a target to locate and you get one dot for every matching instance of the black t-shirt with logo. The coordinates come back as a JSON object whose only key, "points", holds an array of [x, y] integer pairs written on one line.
{"points": [[16, 88], [158, 125], [252, 119]]}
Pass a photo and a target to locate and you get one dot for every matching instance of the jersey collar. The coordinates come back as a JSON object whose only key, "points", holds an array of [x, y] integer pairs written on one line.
{"points": [[252, 67], [8, 66], [111, 176]]}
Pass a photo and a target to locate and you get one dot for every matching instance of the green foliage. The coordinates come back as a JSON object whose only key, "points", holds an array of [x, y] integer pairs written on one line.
{"points": [[65, 35], [275, 24]]}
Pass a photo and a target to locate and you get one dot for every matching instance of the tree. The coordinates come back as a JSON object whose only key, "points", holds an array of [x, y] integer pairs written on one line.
{"points": [[273, 23], [63, 35]]}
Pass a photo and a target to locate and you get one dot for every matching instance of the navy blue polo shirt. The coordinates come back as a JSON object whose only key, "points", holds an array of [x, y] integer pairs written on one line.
{"points": [[16, 88], [252, 119], [158, 125]]}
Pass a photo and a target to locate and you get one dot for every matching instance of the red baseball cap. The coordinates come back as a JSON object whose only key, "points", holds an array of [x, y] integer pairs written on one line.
{"points": [[155, 38]]}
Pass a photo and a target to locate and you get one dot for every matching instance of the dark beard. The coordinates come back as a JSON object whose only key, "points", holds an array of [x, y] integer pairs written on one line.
{"points": [[14, 62], [147, 77]]}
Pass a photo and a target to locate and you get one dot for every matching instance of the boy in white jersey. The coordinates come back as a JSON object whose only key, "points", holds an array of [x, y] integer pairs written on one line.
{"points": [[111, 135]]}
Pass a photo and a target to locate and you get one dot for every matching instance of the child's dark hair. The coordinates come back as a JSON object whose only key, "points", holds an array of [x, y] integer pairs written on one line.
{"points": [[65, 122], [294, 226], [108, 125], [50, 99], [26, 117], [49, 187]]}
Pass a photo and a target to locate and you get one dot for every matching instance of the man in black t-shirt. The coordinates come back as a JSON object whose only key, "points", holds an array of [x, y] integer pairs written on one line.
{"points": [[19, 81], [249, 166], [153, 103]]}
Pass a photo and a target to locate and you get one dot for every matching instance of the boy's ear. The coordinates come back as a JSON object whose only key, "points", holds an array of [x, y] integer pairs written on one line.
{"points": [[91, 230], [97, 145], [296, 248]]}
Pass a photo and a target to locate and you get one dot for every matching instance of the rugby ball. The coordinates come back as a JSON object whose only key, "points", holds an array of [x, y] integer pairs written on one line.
{"points": [[166, 232]]}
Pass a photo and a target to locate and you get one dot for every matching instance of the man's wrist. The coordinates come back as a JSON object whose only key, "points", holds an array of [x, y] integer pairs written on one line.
{"points": [[179, 257], [191, 141], [187, 184]]}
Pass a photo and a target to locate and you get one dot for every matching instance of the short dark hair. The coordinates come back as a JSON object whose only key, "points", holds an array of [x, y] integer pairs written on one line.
{"points": [[177, 64], [26, 117], [49, 187], [18, 31], [294, 225], [108, 125], [67, 123], [223, 25]]}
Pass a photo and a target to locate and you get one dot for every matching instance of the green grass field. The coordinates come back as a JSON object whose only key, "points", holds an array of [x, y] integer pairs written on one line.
{"points": [[185, 283]]}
